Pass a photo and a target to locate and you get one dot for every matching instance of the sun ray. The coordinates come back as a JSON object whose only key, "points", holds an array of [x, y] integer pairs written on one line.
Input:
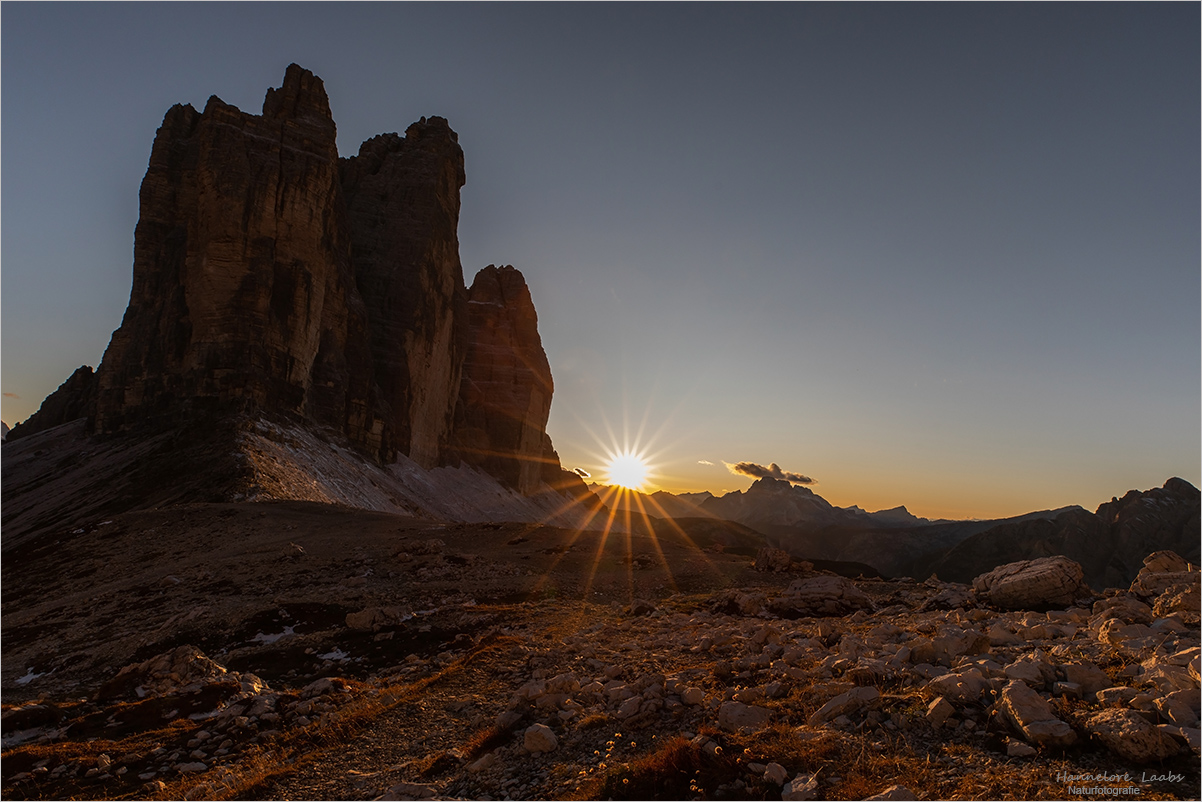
{"points": [[656, 545]]}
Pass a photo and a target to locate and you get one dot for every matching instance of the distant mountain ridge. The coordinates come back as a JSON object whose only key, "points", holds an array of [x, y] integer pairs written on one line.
{"points": [[768, 502], [1110, 544]]}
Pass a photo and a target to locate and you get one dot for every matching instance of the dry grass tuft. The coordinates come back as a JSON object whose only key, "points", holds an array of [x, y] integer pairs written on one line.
{"points": [[679, 769], [486, 740]]}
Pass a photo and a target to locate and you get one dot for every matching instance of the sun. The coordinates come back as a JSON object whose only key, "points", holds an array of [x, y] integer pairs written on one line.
{"points": [[627, 469]]}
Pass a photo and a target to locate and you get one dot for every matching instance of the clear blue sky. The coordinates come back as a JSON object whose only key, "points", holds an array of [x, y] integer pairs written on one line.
{"points": [[942, 255]]}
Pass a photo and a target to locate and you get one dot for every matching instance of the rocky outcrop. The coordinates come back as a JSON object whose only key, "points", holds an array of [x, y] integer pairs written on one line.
{"points": [[1033, 584], [1163, 570], [505, 396], [272, 278], [402, 198], [243, 292], [75, 398]]}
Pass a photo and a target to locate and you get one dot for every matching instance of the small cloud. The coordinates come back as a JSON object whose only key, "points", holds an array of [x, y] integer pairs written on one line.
{"points": [[704, 462], [773, 471], [581, 472], [11, 395]]}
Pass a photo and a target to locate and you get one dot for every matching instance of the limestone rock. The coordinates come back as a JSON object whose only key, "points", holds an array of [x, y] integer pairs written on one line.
{"points": [[1017, 748], [272, 278], [1130, 736], [939, 711], [823, 595], [74, 398], [1047, 581], [739, 716], [770, 559], [1184, 599], [1181, 707], [402, 201], [776, 773], [180, 670], [1165, 562], [242, 291], [845, 703], [409, 791], [1127, 609], [540, 738], [1091, 678], [1150, 584], [375, 617], [1032, 716], [963, 686], [801, 787], [505, 395]]}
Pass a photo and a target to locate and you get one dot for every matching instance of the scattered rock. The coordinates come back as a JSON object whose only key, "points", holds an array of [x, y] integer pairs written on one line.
{"points": [[1032, 716], [938, 711], [540, 738], [770, 559], [845, 703], [801, 787], [1130, 736], [373, 618], [1016, 748], [823, 595], [178, 671], [1027, 584], [776, 773], [409, 791], [739, 716]]}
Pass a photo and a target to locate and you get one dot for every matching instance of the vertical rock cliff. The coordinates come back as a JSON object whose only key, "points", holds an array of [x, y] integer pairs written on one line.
{"points": [[270, 276], [505, 395], [402, 194], [243, 289]]}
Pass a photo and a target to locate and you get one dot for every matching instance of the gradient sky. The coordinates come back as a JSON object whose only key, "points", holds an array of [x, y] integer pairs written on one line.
{"points": [[944, 256]]}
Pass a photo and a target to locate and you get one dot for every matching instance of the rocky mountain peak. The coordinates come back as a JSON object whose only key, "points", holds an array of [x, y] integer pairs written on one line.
{"points": [[302, 96], [272, 277], [505, 394]]}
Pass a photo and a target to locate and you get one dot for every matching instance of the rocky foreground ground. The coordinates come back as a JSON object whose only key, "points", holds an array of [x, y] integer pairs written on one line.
{"points": [[296, 651]]}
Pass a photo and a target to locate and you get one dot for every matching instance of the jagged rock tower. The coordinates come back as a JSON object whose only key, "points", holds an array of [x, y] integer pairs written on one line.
{"points": [[272, 276]]}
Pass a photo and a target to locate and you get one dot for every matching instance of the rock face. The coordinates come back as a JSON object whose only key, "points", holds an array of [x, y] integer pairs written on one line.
{"points": [[243, 291], [402, 196], [505, 395], [1033, 583], [74, 398], [272, 277]]}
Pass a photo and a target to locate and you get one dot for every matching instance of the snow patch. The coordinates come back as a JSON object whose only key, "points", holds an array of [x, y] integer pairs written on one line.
{"points": [[261, 638], [30, 676], [336, 655]]}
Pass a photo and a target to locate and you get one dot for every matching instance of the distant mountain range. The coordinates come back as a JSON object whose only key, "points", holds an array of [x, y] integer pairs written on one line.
{"points": [[768, 502], [1110, 544]]}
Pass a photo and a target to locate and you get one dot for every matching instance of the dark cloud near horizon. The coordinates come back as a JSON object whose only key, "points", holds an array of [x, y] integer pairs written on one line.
{"points": [[581, 472], [773, 471]]}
